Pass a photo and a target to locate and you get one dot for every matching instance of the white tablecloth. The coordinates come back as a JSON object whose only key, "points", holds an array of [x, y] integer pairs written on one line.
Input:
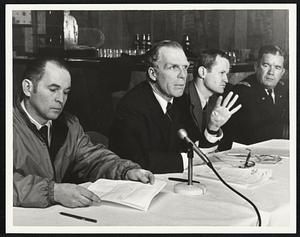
{"points": [[218, 207]]}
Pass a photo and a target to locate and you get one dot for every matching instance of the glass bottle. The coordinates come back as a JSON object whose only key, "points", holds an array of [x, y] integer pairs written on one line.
{"points": [[148, 42], [143, 44], [187, 47], [137, 42]]}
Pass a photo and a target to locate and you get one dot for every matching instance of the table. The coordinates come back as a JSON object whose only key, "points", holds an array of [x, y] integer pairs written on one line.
{"points": [[218, 207]]}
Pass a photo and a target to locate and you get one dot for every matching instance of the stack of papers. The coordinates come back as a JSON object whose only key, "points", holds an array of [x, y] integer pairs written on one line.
{"points": [[129, 193], [242, 177]]}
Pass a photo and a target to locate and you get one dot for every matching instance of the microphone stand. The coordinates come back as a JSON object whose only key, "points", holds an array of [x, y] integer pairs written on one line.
{"points": [[190, 155], [190, 188]]}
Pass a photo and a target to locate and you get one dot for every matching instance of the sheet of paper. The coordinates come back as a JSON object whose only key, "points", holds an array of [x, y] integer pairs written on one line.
{"points": [[129, 193], [242, 177]]}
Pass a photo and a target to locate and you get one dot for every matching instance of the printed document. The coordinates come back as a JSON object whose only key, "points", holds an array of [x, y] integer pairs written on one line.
{"points": [[130, 193]]}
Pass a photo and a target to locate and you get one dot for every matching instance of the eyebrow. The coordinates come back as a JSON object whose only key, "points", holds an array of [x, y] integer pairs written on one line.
{"points": [[58, 86], [172, 64]]}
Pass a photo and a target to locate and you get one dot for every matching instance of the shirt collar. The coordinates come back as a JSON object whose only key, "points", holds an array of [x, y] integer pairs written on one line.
{"points": [[266, 90], [162, 102], [37, 124], [203, 101]]}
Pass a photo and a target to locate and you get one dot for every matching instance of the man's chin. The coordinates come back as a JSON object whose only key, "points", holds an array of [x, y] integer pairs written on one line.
{"points": [[53, 116], [220, 91], [178, 94]]}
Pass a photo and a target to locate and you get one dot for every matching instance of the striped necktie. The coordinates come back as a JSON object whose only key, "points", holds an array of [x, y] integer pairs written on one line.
{"points": [[168, 111]]}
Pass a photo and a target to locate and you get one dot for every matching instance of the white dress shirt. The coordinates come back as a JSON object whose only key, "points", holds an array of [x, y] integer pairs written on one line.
{"points": [[272, 94]]}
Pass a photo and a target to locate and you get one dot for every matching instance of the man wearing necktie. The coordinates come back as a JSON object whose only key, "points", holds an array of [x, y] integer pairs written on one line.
{"points": [[51, 152], [206, 103], [145, 128], [265, 102]]}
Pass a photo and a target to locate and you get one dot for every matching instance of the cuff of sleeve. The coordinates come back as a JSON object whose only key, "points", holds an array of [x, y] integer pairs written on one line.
{"points": [[51, 192], [125, 170], [213, 138], [184, 160]]}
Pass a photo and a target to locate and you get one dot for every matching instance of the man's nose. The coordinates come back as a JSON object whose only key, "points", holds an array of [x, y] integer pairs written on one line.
{"points": [[182, 72], [60, 97], [225, 78], [271, 70]]}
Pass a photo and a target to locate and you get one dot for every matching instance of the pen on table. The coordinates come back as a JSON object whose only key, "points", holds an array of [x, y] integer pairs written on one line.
{"points": [[78, 217], [182, 180], [247, 159]]}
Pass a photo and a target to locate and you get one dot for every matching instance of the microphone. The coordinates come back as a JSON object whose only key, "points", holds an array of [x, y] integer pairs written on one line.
{"points": [[183, 135]]}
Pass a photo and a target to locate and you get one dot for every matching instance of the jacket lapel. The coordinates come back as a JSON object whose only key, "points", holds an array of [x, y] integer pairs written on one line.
{"points": [[158, 116], [195, 105]]}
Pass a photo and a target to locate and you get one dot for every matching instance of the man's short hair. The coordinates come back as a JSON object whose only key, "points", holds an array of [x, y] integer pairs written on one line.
{"points": [[35, 70], [153, 54], [270, 49], [207, 59]]}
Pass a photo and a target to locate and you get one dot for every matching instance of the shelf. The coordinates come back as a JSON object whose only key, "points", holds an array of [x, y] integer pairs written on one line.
{"points": [[137, 64], [22, 25]]}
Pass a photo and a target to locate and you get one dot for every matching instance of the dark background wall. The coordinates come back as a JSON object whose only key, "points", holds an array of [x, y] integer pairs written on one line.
{"points": [[225, 29], [96, 85]]}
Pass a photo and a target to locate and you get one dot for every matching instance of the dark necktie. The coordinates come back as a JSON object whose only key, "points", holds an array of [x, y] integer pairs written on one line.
{"points": [[204, 117], [169, 111], [270, 98], [205, 107], [44, 132]]}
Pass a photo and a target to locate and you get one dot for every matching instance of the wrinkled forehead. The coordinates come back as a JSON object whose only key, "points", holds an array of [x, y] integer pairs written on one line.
{"points": [[55, 74], [172, 55], [220, 63], [274, 57]]}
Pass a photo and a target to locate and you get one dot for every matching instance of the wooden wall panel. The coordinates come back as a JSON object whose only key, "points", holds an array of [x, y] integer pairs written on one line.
{"points": [[240, 30], [281, 28], [226, 29]]}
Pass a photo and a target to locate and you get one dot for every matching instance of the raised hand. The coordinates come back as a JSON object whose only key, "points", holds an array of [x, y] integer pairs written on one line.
{"points": [[72, 195], [221, 112], [141, 175]]}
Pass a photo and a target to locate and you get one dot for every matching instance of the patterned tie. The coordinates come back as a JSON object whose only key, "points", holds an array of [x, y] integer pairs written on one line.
{"points": [[44, 132], [270, 98], [169, 112]]}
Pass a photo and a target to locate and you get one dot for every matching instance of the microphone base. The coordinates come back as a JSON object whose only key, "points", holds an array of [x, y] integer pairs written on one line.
{"points": [[190, 190]]}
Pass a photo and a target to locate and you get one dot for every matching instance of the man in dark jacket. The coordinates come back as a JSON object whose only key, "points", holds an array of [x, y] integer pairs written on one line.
{"points": [[150, 115], [51, 152], [205, 91], [265, 106]]}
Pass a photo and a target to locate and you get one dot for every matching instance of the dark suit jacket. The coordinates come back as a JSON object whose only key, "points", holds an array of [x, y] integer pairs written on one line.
{"points": [[142, 133], [258, 120], [197, 113]]}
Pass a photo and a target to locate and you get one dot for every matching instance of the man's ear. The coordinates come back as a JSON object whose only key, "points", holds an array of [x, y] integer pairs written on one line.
{"points": [[27, 87], [152, 73], [283, 71], [202, 71]]}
